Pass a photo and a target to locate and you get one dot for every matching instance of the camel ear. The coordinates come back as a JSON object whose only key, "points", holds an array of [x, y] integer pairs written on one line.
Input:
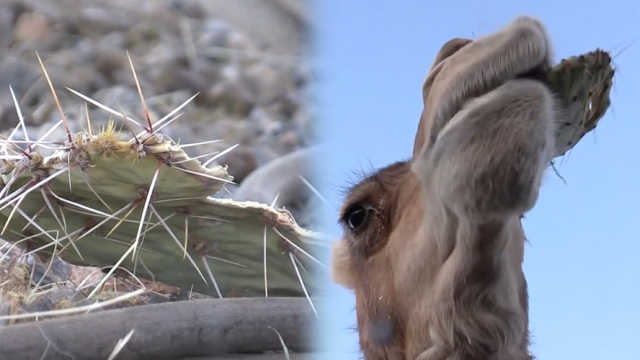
{"points": [[342, 270], [448, 49]]}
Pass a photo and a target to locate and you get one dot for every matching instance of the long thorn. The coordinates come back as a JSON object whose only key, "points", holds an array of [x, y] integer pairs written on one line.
{"points": [[211, 218], [204, 175], [186, 236], [81, 206], [146, 206], [210, 273], [122, 220], [7, 186], [34, 187], [82, 285], [19, 112], [138, 254], [284, 346], [15, 244], [113, 268], [31, 142], [14, 131], [206, 163], [34, 217], [35, 224], [55, 216], [120, 345], [17, 157], [89, 127], [150, 226], [13, 211], [105, 107], [74, 310], [264, 261], [226, 261], [14, 144], [56, 241], [170, 114], [64, 219], [46, 271], [185, 160], [46, 134], [177, 199], [104, 221], [275, 200], [299, 248], [101, 216], [175, 239], [19, 191], [178, 116], [304, 288], [314, 190], [152, 276], [145, 109], [199, 143], [34, 143], [55, 98], [95, 193], [69, 173]]}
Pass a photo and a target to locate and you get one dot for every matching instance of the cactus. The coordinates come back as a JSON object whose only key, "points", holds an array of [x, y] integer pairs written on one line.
{"points": [[138, 201], [582, 85]]}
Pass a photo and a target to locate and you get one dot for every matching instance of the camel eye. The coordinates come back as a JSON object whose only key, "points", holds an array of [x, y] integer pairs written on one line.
{"points": [[357, 217]]}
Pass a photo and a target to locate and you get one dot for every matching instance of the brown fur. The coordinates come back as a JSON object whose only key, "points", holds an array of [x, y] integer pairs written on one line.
{"points": [[437, 265]]}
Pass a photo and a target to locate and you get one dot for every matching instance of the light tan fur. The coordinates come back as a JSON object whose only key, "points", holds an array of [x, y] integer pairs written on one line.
{"points": [[436, 265]]}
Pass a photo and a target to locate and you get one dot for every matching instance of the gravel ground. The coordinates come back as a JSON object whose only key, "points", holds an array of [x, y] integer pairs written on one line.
{"points": [[251, 93]]}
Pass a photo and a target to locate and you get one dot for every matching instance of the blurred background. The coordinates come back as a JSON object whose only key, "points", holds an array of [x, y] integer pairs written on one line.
{"points": [[581, 260]]}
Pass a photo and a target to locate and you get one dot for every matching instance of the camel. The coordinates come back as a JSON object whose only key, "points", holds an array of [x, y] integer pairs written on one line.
{"points": [[433, 246]]}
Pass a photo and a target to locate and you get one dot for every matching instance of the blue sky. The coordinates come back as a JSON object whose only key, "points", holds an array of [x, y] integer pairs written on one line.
{"points": [[581, 262]]}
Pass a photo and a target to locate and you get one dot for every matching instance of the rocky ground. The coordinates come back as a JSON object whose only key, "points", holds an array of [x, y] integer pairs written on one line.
{"points": [[246, 62]]}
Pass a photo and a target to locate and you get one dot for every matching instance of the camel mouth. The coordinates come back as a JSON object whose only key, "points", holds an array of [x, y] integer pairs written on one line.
{"points": [[539, 72]]}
